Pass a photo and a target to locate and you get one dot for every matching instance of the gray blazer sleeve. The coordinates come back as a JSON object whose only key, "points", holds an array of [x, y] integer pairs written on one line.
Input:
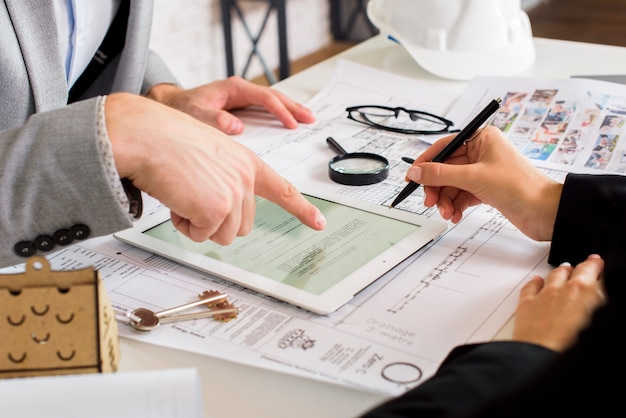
{"points": [[53, 178], [157, 72]]}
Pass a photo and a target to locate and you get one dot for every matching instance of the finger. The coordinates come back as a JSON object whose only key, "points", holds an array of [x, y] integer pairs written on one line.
{"points": [[275, 188], [558, 276], [463, 201], [222, 120], [464, 177], [184, 226], [301, 113], [228, 123], [589, 271], [585, 282], [431, 196], [445, 203], [270, 100], [179, 223], [228, 229], [451, 202], [432, 174], [432, 151], [275, 107], [532, 288], [248, 210]]}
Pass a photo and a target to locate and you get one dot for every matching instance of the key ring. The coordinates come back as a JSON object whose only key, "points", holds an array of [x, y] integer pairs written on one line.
{"points": [[145, 320]]}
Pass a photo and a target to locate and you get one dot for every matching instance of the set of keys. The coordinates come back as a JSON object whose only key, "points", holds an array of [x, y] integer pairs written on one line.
{"points": [[145, 320]]}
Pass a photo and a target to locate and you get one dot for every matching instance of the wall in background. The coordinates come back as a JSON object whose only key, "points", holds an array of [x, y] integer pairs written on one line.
{"points": [[189, 36]]}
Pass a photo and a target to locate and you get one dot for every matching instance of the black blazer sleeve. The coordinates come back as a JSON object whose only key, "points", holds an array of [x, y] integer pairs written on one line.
{"points": [[469, 376], [592, 220]]}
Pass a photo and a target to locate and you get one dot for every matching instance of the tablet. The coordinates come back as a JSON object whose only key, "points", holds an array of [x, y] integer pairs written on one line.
{"points": [[316, 270]]}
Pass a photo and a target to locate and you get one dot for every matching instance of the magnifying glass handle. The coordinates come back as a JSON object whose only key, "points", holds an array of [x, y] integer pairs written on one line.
{"points": [[335, 146]]}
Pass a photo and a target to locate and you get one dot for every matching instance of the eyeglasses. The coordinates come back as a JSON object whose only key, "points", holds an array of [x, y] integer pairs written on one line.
{"points": [[401, 120]]}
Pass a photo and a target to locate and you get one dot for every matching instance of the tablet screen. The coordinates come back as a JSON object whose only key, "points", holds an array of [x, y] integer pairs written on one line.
{"points": [[281, 248]]}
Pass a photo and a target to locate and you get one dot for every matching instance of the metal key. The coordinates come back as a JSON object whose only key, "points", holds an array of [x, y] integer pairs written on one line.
{"points": [[145, 320]]}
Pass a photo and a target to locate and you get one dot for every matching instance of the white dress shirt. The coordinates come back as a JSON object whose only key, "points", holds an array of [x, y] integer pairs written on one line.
{"points": [[82, 25]]}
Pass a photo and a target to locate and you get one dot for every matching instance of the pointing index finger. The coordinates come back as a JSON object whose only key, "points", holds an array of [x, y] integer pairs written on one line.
{"points": [[279, 190]]}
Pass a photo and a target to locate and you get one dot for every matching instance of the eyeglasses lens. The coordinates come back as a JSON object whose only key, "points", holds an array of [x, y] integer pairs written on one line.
{"points": [[412, 121]]}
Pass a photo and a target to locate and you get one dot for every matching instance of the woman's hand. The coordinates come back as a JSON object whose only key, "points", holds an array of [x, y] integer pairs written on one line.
{"points": [[553, 311], [488, 169]]}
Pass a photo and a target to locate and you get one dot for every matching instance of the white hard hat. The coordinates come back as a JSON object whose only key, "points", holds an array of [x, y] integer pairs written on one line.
{"points": [[459, 39]]}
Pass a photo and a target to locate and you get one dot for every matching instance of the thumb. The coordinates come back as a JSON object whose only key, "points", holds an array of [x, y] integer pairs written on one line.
{"points": [[222, 120], [441, 174]]}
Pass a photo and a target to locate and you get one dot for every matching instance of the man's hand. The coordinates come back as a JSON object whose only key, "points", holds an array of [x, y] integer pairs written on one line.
{"points": [[211, 103], [208, 181]]}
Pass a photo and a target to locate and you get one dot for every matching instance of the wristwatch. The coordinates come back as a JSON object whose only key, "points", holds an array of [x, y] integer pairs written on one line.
{"points": [[134, 198]]}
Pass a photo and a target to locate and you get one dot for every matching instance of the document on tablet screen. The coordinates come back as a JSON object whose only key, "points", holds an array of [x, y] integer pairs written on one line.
{"points": [[281, 248]]}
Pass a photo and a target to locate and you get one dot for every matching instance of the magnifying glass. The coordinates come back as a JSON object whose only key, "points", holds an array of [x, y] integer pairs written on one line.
{"points": [[356, 168]]}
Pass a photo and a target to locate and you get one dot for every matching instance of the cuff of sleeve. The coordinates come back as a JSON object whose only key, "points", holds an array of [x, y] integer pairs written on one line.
{"points": [[127, 194]]}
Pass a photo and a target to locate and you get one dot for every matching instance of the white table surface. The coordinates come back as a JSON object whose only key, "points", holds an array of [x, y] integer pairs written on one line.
{"points": [[233, 390]]}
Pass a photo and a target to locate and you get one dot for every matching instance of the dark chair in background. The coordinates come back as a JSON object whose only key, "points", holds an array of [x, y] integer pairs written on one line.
{"points": [[348, 20], [230, 9]]}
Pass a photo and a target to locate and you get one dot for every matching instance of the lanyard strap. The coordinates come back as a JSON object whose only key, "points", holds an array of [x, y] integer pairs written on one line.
{"points": [[111, 46]]}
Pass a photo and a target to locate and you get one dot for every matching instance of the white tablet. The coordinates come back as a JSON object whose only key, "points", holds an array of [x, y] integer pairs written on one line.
{"points": [[316, 270]]}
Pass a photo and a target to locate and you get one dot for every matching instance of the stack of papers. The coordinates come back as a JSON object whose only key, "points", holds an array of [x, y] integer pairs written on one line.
{"points": [[396, 332]]}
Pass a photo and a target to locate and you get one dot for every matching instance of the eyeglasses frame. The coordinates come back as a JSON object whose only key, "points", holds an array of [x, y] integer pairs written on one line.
{"points": [[396, 111]]}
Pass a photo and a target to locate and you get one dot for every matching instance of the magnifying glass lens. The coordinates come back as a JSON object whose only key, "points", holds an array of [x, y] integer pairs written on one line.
{"points": [[358, 166]]}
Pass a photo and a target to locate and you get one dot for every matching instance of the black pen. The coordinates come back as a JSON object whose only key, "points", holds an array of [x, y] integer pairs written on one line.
{"points": [[465, 135]]}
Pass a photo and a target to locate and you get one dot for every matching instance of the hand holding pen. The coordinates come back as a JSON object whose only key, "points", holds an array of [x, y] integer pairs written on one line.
{"points": [[489, 170], [467, 134]]}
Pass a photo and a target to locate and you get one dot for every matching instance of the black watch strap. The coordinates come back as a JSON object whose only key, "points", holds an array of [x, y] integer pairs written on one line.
{"points": [[134, 198]]}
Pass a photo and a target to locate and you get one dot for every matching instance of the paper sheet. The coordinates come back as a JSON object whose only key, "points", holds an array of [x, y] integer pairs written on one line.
{"points": [[572, 125], [392, 335], [171, 393]]}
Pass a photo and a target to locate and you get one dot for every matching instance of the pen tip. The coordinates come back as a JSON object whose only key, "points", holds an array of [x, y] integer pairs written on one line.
{"points": [[391, 206]]}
